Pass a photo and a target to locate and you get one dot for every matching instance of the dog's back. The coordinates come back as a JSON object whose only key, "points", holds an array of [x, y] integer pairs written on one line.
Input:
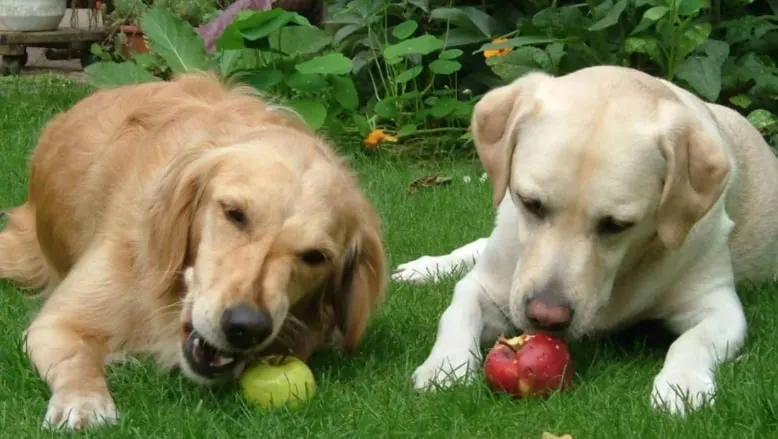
{"points": [[754, 206], [114, 141]]}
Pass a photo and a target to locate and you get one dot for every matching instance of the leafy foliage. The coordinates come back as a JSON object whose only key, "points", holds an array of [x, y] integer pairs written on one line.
{"points": [[417, 67]]}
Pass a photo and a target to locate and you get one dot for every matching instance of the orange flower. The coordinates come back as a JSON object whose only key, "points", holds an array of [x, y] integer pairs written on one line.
{"points": [[497, 52], [376, 137]]}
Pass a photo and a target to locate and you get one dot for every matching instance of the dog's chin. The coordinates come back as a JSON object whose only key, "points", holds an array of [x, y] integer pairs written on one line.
{"points": [[206, 364]]}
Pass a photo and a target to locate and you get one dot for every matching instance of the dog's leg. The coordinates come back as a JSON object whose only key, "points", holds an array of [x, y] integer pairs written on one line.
{"points": [[713, 329], [21, 260], [68, 343], [470, 318], [433, 268]]}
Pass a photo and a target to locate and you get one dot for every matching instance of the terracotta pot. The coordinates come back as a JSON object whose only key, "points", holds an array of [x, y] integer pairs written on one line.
{"points": [[136, 40]]}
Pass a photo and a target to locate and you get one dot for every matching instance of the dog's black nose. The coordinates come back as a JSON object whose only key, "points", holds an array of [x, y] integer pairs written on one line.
{"points": [[245, 327]]}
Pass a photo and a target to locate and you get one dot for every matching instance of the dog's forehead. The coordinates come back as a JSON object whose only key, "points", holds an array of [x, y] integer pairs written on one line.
{"points": [[570, 152]]}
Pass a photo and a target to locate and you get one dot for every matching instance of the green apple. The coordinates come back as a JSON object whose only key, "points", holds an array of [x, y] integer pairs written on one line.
{"points": [[277, 381]]}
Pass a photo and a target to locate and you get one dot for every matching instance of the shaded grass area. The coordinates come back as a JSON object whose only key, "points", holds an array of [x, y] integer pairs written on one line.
{"points": [[368, 394]]}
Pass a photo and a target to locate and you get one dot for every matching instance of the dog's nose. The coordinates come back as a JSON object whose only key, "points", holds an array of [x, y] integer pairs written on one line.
{"points": [[549, 314], [245, 327]]}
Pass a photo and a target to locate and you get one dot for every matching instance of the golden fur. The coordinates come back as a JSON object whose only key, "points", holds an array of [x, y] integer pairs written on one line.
{"points": [[135, 186]]}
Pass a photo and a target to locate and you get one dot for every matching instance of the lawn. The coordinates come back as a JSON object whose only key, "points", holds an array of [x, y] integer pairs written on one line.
{"points": [[369, 394]]}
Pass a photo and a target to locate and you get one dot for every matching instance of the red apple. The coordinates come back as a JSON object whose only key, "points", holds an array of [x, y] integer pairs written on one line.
{"points": [[529, 365]]}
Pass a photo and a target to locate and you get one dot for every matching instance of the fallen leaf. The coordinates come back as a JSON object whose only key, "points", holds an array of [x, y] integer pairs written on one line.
{"points": [[547, 435], [427, 181]]}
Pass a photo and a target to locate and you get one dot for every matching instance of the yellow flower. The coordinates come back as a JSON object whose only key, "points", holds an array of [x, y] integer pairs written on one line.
{"points": [[497, 52], [376, 137]]}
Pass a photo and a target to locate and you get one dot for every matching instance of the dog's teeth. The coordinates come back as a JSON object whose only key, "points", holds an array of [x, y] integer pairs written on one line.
{"points": [[197, 347], [222, 361]]}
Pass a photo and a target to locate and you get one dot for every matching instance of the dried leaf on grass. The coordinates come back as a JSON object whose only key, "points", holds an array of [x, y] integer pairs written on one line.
{"points": [[547, 435], [427, 181]]}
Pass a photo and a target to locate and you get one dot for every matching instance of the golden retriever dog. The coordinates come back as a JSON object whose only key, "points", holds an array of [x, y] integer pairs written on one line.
{"points": [[191, 222], [620, 197]]}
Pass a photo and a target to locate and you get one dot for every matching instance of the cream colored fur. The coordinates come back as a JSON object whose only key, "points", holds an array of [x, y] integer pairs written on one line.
{"points": [[694, 183]]}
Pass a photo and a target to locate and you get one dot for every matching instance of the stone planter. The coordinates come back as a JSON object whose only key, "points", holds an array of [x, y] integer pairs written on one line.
{"points": [[31, 15]]}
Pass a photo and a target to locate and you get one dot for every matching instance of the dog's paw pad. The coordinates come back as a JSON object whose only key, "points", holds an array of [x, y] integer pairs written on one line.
{"points": [[78, 411], [424, 269], [679, 392], [443, 372]]}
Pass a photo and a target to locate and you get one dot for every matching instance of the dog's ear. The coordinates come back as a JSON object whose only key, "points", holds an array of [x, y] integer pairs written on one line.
{"points": [[170, 208], [696, 172], [361, 283], [495, 124]]}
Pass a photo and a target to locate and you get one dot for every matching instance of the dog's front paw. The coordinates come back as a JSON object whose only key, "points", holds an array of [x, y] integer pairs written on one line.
{"points": [[678, 391], [77, 411], [425, 269], [444, 370]]}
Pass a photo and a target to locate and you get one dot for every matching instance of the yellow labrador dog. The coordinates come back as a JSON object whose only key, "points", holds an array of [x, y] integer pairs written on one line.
{"points": [[621, 197], [190, 222]]}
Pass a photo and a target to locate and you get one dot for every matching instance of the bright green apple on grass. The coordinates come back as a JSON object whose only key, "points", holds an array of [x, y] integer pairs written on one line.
{"points": [[278, 380]]}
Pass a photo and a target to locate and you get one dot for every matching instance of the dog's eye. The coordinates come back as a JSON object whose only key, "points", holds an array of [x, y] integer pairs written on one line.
{"points": [[313, 257], [236, 216], [611, 226], [534, 207]]}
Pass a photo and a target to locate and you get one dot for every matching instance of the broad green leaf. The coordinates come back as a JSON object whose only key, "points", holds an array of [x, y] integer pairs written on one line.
{"points": [[275, 19], [716, 49], [688, 8], [240, 59], [409, 96], [519, 42], [519, 62], [407, 130], [306, 82], [450, 54], [422, 45], [405, 29], [651, 16], [458, 37], [262, 79], [443, 107], [109, 75], [314, 112], [444, 67], [742, 101], [361, 123], [345, 92], [393, 61], [466, 18], [385, 109], [408, 75], [692, 39], [703, 74], [232, 37], [762, 119], [345, 32], [655, 13], [300, 40], [329, 64], [611, 18], [646, 45], [175, 41], [555, 51]]}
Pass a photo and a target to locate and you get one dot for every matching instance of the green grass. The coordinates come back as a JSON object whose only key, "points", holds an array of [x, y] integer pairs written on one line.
{"points": [[368, 395]]}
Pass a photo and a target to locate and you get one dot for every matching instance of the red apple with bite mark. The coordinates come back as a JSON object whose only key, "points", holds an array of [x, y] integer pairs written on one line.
{"points": [[529, 365]]}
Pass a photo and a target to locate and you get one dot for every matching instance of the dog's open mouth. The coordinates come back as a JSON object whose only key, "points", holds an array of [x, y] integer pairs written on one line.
{"points": [[206, 359]]}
